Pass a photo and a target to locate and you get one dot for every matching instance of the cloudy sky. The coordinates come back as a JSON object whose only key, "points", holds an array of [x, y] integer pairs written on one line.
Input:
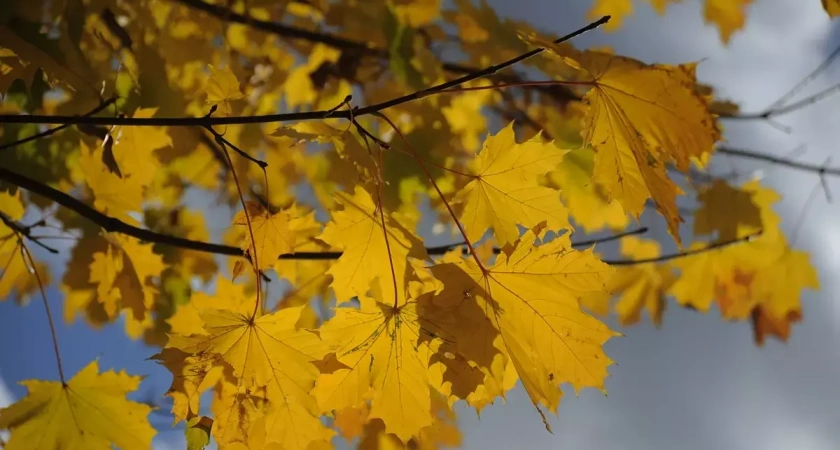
{"points": [[701, 383], [697, 383]]}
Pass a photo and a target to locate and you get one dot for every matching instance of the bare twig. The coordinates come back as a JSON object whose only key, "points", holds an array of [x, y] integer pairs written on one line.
{"points": [[668, 257], [821, 170], [115, 225], [26, 231], [54, 130]]}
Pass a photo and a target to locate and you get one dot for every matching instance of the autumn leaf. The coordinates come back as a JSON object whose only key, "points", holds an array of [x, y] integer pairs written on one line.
{"points": [[222, 87], [726, 210], [16, 271], [124, 276], [264, 352], [505, 190], [368, 254], [832, 7], [728, 15], [641, 117], [114, 195], [267, 235], [89, 412], [640, 286], [588, 202], [616, 9], [377, 347], [531, 298]]}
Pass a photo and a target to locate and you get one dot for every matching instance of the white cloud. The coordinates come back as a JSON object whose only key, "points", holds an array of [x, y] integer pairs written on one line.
{"points": [[6, 399]]}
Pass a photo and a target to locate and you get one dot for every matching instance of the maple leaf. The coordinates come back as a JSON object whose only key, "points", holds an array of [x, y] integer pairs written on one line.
{"points": [[505, 191], [588, 203], [832, 7], [89, 412], [616, 9], [727, 210], [728, 15], [697, 286], [377, 347], [531, 298], [15, 271], [113, 195], [222, 87], [640, 286], [368, 255], [268, 237], [640, 118], [264, 352], [124, 275]]}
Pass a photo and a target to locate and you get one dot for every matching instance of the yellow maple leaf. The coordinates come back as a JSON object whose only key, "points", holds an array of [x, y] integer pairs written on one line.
{"points": [[90, 412], [619, 9], [268, 237], [640, 286], [588, 203], [135, 149], [728, 15], [778, 285], [641, 117], [531, 298], [125, 273], [832, 7], [697, 285], [616, 9], [113, 195], [377, 347], [726, 210], [368, 255], [15, 272], [505, 190], [265, 353], [222, 87]]}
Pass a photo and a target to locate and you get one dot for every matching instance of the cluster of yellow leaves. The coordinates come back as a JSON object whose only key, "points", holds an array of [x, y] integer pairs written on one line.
{"points": [[728, 15], [410, 335], [760, 281], [458, 328]]}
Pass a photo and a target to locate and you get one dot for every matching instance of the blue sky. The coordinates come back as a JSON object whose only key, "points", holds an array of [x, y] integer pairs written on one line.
{"points": [[698, 382]]}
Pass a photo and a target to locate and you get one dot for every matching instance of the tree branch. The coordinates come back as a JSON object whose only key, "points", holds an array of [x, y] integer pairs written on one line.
{"points": [[114, 225], [25, 231], [52, 131], [787, 109], [786, 162], [668, 257], [288, 117]]}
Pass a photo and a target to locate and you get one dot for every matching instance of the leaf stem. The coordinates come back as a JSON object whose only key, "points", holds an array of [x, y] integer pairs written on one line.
{"points": [[27, 258], [437, 189]]}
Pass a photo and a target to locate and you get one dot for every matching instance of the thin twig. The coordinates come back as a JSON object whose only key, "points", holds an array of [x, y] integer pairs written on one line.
{"points": [[27, 259], [782, 110], [115, 225], [52, 131], [787, 162], [668, 257], [26, 231], [206, 121]]}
